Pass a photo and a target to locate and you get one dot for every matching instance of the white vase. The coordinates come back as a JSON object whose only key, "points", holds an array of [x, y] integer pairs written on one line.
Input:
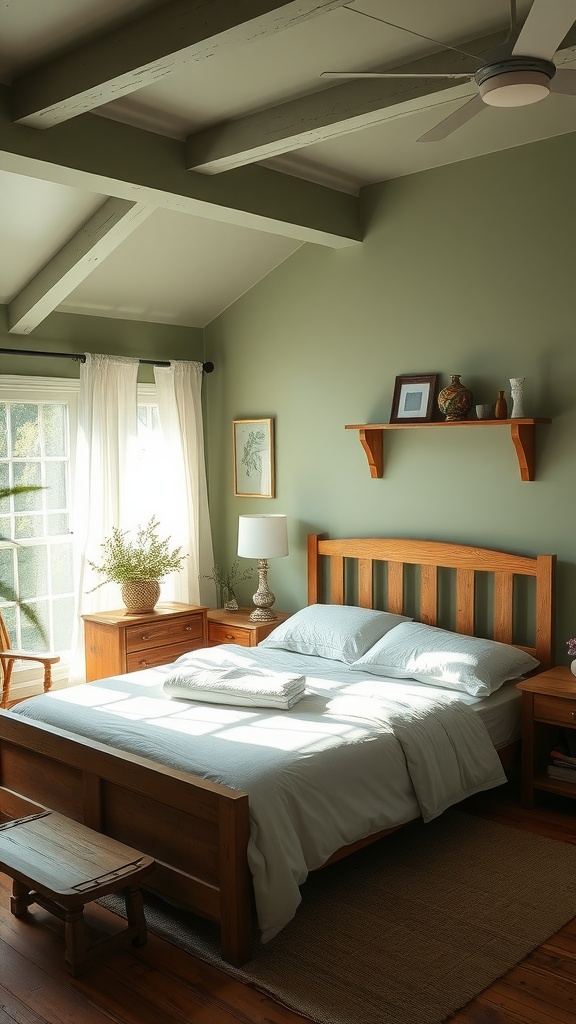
{"points": [[517, 392], [573, 667]]}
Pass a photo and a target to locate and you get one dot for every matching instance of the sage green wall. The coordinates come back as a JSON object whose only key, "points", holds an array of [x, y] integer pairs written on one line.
{"points": [[464, 269], [71, 332]]}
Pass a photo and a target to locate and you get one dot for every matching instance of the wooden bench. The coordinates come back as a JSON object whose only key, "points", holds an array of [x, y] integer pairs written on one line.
{"points": [[62, 865]]}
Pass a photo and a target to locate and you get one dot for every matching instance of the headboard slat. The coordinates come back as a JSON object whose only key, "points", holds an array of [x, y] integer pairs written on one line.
{"points": [[429, 594], [396, 587], [337, 579], [503, 607], [465, 601], [366, 583]]}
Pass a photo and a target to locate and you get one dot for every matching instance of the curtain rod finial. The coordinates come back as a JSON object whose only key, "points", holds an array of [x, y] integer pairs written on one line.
{"points": [[207, 367]]}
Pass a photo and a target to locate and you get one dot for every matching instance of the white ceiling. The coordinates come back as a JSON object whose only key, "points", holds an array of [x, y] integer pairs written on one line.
{"points": [[101, 212]]}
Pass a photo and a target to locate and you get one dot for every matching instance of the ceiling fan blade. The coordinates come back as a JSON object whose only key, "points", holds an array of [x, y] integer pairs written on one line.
{"points": [[389, 74], [564, 81], [547, 23], [453, 121]]}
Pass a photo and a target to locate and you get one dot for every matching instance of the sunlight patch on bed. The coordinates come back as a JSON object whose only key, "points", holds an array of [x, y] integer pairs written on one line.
{"points": [[91, 696]]}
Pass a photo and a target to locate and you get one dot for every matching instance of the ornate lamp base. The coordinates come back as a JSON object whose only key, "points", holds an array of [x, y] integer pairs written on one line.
{"points": [[263, 598]]}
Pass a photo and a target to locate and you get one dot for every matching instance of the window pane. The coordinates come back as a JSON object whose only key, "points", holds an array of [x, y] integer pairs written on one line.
{"points": [[7, 567], [32, 571], [4, 482], [3, 431], [27, 474], [9, 616], [26, 527], [54, 423], [58, 524], [56, 485], [25, 433], [61, 571], [63, 611], [32, 639]]}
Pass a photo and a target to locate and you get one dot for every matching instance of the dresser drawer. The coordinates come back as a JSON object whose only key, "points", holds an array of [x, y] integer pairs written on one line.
{"points": [[160, 655], [166, 631], [554, 709], [218, 633]]}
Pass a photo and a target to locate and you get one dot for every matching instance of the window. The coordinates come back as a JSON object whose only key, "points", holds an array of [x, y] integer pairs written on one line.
{"points": [[37, 422]]}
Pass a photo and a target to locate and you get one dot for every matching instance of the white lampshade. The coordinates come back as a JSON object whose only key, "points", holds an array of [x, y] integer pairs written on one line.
{"points": [[262, 536]]}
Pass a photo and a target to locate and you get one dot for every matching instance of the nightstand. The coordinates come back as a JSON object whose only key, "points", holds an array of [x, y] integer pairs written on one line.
{"points": [[235, 627], [548, 704], [118, 642]]}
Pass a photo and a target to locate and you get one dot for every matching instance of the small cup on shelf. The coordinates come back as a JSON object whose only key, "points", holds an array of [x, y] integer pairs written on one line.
{"points": [[484, 411]]}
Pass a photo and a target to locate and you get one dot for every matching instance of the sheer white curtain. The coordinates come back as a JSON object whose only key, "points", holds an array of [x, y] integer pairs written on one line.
{"points": [[107, 435], [182, 486]]}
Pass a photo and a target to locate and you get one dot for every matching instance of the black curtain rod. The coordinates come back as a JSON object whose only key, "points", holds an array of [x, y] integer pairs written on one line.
{"points": [[80, 358]]}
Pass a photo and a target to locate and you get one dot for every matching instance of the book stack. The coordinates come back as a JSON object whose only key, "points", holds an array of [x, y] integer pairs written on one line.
{"points": [[562, 766]]}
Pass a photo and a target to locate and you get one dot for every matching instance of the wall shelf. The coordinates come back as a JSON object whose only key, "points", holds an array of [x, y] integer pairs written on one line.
{"points": [[522, 432]]}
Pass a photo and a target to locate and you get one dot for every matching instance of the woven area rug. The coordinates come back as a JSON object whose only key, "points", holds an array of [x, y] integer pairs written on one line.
{"points": [[408, 930]]}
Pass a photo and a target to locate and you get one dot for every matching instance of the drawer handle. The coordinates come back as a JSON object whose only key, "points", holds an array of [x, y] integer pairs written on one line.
{"points": [[145, 636], [230, 636], [573, 714], [143, 663], [188, 629]]}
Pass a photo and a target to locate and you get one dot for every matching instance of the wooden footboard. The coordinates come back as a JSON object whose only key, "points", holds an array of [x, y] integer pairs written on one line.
{"points": [[197, 831]]}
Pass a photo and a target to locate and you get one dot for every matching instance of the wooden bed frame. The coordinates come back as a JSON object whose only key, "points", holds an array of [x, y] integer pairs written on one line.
{"points": [[198, 831]]}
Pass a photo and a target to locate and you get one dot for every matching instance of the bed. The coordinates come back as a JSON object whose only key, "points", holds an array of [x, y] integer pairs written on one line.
{"points": [[201, 831]]}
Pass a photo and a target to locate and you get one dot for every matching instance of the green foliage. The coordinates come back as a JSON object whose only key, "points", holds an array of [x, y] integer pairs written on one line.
{"points": [[146, 558], [228, 578]]}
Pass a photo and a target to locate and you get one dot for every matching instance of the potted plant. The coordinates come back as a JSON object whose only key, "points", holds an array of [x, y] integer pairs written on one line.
{"points": [[137, 565], [226, 581]]}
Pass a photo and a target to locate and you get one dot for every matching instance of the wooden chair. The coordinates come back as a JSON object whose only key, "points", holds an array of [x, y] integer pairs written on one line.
{"points": [[8, 655]]}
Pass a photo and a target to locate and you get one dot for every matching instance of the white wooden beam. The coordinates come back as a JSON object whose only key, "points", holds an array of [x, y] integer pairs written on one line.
{"points": [[97, 238], [144, 50], [330, 113], [114, 159]]}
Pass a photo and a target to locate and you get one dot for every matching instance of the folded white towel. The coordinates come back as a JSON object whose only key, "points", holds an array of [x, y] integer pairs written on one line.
{"points": [[235, 686]]}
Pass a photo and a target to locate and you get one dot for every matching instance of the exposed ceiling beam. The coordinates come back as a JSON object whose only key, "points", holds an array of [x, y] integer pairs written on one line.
{"points": [[332, 112], [113, 159], [97, 238], [147, 49]]}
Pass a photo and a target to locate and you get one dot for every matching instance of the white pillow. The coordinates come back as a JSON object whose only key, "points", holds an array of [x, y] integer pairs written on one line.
{"points": [[341, 632], [415, 651]]}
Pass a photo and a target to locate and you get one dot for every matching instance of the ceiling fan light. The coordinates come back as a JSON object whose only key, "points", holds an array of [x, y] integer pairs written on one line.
{"points": [[515, 88]]}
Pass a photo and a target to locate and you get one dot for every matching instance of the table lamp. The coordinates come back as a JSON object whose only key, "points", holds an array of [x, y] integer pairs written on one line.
{"points": [[262, 537]]}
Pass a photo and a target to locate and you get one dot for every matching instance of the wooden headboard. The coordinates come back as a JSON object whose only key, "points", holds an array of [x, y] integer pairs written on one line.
{"points": [[345, 571]]}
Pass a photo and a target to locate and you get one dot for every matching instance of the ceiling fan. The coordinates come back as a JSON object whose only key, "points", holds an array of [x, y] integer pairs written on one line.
{"points": [[518, 72]]}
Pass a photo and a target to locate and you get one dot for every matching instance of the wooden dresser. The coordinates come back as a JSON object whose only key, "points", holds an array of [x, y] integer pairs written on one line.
{"points": [[117, 642], [236, 628]]}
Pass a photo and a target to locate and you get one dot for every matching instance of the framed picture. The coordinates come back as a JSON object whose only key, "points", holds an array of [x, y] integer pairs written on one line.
{"points": [[413, 400], [253, 442]]}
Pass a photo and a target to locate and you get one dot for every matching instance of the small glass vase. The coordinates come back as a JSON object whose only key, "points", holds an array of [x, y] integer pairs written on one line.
{"points": [[230, 603]]}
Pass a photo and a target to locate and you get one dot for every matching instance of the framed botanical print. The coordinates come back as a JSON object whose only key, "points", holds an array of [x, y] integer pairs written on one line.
{"points": [[253, 443]]}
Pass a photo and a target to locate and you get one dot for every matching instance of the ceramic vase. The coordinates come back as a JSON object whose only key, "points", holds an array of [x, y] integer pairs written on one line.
{"points": [[573, 667], [455, 400], [140, 596], [517, 393], [501, 407]]}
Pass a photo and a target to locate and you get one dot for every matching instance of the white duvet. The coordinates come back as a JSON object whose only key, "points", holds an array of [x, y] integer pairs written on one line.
{"points": [[353, 756]]}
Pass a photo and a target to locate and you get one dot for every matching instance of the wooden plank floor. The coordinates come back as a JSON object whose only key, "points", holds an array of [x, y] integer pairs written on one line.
{"points": [[159, 984]]}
